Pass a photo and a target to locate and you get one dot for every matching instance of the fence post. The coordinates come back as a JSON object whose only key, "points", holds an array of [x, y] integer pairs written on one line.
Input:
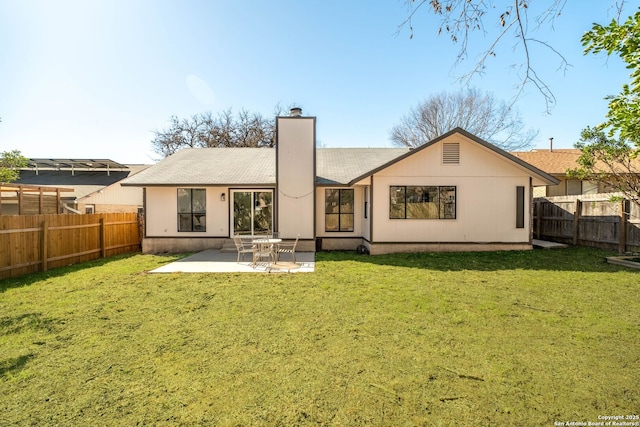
{"points": [[103, 238], [44, 243], [538, 219], [576, 220], [623, 226]]}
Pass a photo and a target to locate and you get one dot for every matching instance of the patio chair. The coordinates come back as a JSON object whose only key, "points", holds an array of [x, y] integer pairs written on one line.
{"points": [[262, 251], [288, 248], [243, 247]]}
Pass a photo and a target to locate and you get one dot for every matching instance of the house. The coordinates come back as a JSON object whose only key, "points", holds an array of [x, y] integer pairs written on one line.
{"points": [[455, 193], [94, 184], [556, 162]]}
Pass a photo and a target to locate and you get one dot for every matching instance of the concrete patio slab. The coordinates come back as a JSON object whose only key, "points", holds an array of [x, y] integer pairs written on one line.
{"points": [[543, 244], [214, 261]]}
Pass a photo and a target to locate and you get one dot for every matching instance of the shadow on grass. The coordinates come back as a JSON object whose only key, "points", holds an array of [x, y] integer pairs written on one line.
{"points": [[567, 259], [14, 364], [29, 279], [29, 321]]}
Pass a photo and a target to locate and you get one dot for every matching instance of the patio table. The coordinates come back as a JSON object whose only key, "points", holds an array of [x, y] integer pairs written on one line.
{"points": [[267, 246]]}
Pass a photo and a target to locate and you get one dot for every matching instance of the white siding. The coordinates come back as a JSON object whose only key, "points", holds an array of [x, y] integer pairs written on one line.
{"points": [[485, 197], [296, 176], [162, 213]]}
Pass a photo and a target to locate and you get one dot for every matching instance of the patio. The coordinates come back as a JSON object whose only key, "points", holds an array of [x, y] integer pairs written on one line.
{"points": [[215, 261]]}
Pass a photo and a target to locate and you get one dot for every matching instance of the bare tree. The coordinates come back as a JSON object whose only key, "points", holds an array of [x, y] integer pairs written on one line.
{"points": [[472, 110], [222, 130], [500, 21]]}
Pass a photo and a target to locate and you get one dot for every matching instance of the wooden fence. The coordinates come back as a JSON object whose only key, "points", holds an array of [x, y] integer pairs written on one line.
{"points": [[30, 243], [588, 221]]}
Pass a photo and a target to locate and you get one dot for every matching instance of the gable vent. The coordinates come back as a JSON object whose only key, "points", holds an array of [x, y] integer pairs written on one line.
{"points": [[451, 153]]}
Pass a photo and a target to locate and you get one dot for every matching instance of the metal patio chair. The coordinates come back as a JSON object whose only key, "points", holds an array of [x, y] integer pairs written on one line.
{"points": [[288, 248]]}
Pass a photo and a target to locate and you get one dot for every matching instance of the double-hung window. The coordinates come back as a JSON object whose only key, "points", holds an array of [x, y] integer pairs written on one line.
{"points": [[422, 202], [338, 209], [192, 209]]}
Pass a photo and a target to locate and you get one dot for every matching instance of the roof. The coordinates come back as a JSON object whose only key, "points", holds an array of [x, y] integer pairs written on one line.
{"points": [[555, 162], [83, 182], [345, 165], [256, 166], [206, 166], [75, 163], [532, 169]]}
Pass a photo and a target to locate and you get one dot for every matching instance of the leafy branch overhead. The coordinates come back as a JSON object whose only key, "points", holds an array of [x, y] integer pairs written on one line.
{"points": [[623, 40], [610, 150]]}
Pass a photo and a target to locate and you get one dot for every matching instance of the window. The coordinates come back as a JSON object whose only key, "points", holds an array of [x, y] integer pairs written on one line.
{"points": [[366, 202], [413, 202], [519, 207], [192, 209], [574, 187], [338, 208]]}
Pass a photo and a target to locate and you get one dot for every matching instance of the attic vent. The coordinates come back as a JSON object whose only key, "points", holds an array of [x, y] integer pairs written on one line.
{"points": [[451, 153]]}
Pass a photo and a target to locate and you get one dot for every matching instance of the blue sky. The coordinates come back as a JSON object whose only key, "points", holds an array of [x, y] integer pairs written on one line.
{"points": [[93, 79]]}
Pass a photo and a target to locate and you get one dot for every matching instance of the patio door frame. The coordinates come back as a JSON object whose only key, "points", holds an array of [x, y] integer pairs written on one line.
{"points": [[255, 208]]}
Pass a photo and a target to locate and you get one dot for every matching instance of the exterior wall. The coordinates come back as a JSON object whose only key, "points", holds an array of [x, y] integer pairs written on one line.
{"points": [[114, 198], [342, 240], [296, 170], [485, 198], [103, 208], [389, 248], [179, 244], [162, 213]]}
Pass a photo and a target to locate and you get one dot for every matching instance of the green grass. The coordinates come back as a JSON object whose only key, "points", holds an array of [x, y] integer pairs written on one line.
{"points": [[502, 338]]}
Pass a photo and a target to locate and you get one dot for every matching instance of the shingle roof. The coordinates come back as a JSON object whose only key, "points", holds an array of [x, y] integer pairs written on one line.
{"points": [[257, 166], [555, 162], [235, 166], [343, 165], [207, 166]]}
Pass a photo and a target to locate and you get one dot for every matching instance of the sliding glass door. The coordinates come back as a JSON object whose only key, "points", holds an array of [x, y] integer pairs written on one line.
{"points": [[252, 212]]}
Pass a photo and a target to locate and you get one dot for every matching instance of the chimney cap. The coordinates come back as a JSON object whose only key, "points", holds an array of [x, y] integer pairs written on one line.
{"points": [[295, 112]]}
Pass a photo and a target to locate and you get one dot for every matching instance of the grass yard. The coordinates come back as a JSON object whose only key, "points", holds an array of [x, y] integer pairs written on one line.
{"points": [[502, 339]]}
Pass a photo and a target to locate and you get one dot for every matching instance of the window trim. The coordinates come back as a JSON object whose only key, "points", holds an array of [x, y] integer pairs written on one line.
{"points": [[340, 214], [440, 202], [201, 214]]}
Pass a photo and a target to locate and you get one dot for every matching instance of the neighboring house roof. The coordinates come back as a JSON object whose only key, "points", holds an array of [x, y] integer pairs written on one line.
{"points": [[82, 181], [555, 162], [75, 163], [251, 166]]}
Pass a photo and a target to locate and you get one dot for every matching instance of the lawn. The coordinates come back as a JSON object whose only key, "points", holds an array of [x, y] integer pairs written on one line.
{"points": [[504, 338]]}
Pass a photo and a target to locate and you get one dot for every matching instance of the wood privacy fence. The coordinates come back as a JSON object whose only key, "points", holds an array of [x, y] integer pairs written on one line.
{"points": [[30, 243], [588, 221]]}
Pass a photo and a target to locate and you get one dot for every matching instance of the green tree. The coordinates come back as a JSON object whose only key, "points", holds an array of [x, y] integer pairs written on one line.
{"points": [[610, 150], [10, 162]]}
